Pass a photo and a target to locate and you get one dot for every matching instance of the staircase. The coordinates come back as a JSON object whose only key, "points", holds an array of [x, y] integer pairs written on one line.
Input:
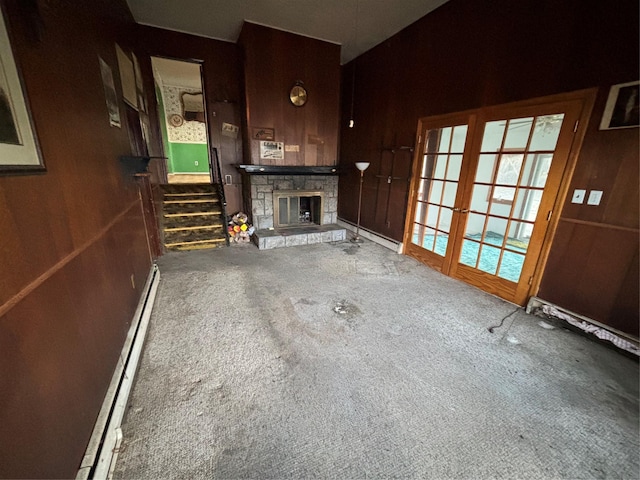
{"points": [[192, 217]]}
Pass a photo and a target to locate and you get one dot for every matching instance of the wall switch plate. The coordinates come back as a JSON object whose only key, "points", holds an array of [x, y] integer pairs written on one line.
{"points": [[594, 197], [578, 196]]}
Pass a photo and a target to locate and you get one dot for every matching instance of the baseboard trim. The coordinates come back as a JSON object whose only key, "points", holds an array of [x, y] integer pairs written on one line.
{"points": [[102, 448], [373, 236]]}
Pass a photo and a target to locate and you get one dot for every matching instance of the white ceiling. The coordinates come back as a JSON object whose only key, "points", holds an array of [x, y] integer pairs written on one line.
{"points": [[176, 73], [356, 25]]}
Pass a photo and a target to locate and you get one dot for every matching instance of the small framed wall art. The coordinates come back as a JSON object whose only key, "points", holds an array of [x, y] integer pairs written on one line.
{"points": [[19, 149], [622, 108]]}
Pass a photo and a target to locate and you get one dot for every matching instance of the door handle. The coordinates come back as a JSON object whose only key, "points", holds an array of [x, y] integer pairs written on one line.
{"points": [[460, 210]]}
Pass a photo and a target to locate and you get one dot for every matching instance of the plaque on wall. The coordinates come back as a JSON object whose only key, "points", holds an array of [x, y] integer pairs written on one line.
{"points": [[271, 150], [260, 133]]}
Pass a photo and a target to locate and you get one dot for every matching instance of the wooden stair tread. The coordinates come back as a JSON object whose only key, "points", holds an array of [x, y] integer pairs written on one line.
{"points": [[192, 214], [194, 242], [187, 194], [173, 202], [196, 227], [192, 217]]}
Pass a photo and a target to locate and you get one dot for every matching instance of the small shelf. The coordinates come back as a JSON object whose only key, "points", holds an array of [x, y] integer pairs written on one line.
{"points": [[398, 148]]}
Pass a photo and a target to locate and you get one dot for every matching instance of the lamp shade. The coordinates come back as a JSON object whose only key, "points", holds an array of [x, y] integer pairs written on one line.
{"points": [[362, 166]]}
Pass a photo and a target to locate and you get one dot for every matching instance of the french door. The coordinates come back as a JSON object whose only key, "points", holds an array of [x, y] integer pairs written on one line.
{"points": [[484, 188]]}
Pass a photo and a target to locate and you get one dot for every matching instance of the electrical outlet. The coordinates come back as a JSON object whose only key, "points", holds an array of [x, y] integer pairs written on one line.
{"points": [[228, 179], [578, 196], [594, 197], [196, 162]]}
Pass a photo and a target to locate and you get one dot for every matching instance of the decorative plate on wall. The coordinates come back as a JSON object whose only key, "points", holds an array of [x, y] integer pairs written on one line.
{"points": [[176, 120]]}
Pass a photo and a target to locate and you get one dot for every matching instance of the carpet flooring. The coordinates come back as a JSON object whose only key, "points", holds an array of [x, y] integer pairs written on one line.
{"points": [[344, 361]]}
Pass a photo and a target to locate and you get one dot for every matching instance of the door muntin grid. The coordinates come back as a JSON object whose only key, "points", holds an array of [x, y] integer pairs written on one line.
{"points": [[438, 187], [513, 165]]}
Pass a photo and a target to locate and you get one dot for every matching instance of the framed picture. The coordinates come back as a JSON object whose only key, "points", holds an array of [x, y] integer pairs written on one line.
{"points": [[271, 150], [19, 150], [110, 93], [127, 78], [621, 110]]}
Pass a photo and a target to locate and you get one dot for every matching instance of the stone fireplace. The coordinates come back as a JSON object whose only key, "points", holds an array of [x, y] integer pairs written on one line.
{"points": [[289, 210], [284, 195]]}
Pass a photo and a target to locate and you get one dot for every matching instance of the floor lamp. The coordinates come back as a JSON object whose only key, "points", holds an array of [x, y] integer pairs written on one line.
{"points": [[362, 166]]}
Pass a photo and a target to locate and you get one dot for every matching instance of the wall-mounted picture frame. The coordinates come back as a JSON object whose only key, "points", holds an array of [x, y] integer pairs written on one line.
{"points": [[127, 78], [110, 95], [622, 108], [19, 149]]}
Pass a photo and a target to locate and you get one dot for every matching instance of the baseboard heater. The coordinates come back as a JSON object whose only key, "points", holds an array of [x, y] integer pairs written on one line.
{"points": [[375, 237], [538, 306], [102, 451]]}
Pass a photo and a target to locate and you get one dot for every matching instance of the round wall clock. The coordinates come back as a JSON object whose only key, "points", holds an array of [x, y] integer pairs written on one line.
{"points": [[298, 94]]}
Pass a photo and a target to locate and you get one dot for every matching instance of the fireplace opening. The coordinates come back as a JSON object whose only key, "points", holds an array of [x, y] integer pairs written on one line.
{"points": [[295, 208]]}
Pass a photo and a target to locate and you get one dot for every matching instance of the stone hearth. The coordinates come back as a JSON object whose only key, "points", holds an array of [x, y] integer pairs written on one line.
{"points": [[259, 195]]}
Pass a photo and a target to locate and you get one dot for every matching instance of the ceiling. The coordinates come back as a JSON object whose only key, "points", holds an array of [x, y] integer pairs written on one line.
{"points": [[176, 73], [356, 25]]}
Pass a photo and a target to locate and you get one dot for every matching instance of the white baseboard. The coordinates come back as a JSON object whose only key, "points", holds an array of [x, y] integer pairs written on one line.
{"points": [[374, 237], [99, 456]]}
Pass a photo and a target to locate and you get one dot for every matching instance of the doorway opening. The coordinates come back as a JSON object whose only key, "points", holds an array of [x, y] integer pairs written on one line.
{"points": [[487, 189], [183, 120]]}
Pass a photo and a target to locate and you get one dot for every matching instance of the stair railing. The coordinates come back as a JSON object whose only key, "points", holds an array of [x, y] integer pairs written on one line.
{"points": [[216, 176]]}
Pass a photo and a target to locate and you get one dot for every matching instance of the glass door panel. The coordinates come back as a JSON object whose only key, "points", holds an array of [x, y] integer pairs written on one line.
{"points": [[484, 187], [513, 165], [440, 165]]}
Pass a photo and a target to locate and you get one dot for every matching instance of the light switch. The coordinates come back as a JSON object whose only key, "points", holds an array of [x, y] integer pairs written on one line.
{"points": [[594, 197], [578, 196]]}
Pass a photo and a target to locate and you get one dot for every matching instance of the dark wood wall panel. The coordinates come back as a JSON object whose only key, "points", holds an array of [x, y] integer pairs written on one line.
{"points": [[221, 69], [59, 348], [273, 61], [469, 54], [590, 272], [71, 240]]}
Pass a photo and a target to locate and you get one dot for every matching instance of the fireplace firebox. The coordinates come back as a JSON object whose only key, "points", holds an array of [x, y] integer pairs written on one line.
{"points": [[294, 208]]}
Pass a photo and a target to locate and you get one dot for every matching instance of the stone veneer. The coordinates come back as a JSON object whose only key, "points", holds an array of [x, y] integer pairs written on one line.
{"points": [[261, 195]]}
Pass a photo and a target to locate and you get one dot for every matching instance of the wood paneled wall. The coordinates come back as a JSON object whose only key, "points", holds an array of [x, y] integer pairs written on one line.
{"points": [[73, 252], [469, 54], [221, 70], [273, 61]]}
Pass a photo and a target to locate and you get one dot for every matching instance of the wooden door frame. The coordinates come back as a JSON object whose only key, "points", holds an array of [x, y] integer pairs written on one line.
{"points": [[467, 117], [478, 116]]}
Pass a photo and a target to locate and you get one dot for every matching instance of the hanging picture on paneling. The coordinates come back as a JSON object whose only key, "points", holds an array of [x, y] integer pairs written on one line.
{"points": [[19, 152], [622, 108], [127, 78], [110, 93]]}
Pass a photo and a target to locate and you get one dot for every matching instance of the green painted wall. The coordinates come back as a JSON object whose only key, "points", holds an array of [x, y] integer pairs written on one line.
{"points": [[182, 156], [188, 158]]}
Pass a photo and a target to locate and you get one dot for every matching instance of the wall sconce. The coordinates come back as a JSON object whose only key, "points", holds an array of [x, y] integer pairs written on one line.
{"points": [[362, 166]]}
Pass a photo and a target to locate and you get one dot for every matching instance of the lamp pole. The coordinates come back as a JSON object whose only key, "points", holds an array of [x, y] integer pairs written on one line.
{"points": [[362, 166]]}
